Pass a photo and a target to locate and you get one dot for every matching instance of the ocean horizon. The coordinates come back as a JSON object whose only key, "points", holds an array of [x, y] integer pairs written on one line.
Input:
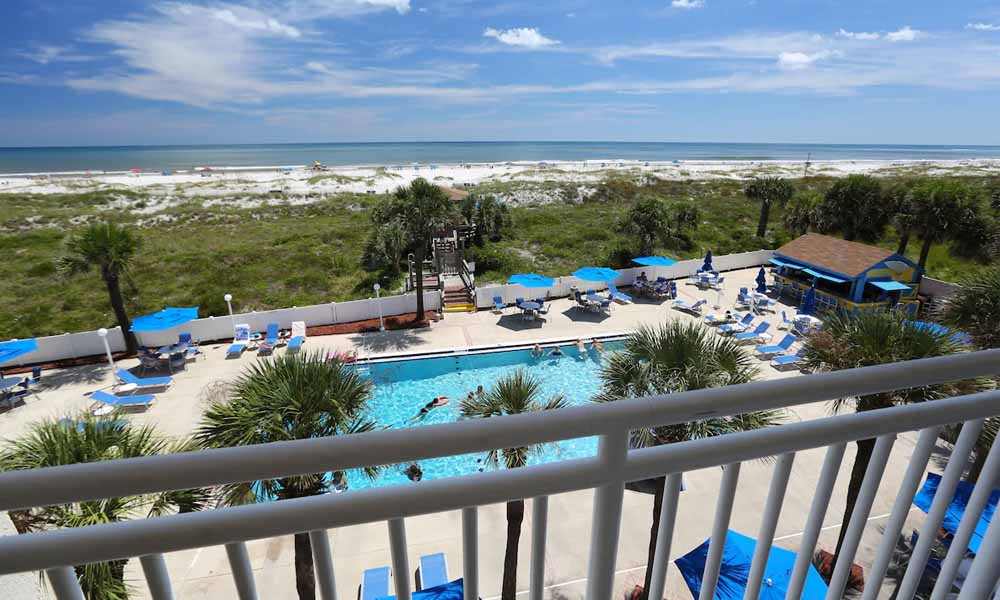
{"points": [[158, 158]]}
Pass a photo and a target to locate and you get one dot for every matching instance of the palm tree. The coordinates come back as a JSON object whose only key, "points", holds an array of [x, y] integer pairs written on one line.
{"points": [[111, 248], [512, 394], [291, 397], [87, 439], [767, 191], [855, 207], [899, 198], [852, 340], [677, 357], [802, 213], [941, 209]]}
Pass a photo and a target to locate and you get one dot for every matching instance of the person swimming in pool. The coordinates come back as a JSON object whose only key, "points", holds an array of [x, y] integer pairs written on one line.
{"points": [[536, 351], [414, 472], [557, 351], [598, 347], [435, 403]]}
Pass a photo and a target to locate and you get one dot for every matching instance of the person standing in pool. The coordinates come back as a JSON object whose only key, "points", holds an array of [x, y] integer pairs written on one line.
{"points": [[556, 351]]}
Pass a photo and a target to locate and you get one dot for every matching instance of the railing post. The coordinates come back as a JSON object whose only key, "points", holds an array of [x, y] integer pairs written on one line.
{"points": [[323, 562], [64, 583], [720, 526], [985, 571], [607, 517], [970, 519], [239, 564], [859, 516], [765, 537], [157, 577], [665, 534], [400, 563], [539, 525], [900, 510], [470, 552], [942, 498], [821, 499]]}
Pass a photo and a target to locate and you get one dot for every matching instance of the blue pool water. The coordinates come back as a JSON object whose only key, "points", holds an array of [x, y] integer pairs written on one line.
{"points": [[403, 387]]}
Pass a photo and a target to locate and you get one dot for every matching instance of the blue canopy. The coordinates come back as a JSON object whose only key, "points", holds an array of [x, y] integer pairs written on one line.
{"points": [[532, 280], [761, 281], [14, 348], [781, 263], [808, 305], [708, 262], [654, 261], [819, 275], [598, 274], [890, 286], [737, 557], [446, 591], [165, 319], [953, 516]]}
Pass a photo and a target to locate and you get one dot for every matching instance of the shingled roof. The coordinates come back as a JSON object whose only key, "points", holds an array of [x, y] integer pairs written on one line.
{"points": [[834, 254]]}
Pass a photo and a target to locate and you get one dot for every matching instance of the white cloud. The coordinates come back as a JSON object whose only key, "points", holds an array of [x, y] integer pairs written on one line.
{"points": [[522, 37], [982, 27], [904, 35], [250, 20], [859, 35], [44, 55], [747, 46], [305, 10], [801, 60], [687, 4]]}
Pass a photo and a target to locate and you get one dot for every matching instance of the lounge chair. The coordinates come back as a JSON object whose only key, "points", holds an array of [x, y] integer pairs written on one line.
{"points": [[498, 304], [765, 352], [737, 327], [756, 336], [433, 571], [518, 301], [142, 382], [544, 310], [718, 284], [109, 402], [694, 309], [270, 340], [786, 323], [184, 338], [374, 583], [616, 295], [786, 361], [298, 336], [241, 339]]}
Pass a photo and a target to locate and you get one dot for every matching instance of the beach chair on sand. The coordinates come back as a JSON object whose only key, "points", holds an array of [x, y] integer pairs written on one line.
{"points": [[616, 295], [298, 336], [498, 304], [788, 361], [786, 323], [270, 340], [241, 339], [374, 584], [737, 327], [756, 336], [109, 402], [433, 571], [694, 309], [765, 352], [126, 377]]}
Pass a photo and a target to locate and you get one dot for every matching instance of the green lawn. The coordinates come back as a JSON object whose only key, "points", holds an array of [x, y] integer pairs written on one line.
{"points": [[285, 255]]}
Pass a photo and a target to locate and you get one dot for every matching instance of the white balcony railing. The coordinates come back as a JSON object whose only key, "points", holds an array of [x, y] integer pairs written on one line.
{"points": [[54, 552]]}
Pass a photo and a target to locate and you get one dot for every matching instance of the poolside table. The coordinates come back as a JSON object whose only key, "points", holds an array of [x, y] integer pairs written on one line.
{"points": [[528, 309]]}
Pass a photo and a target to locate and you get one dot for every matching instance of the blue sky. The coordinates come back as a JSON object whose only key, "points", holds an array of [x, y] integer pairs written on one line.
{"points": [[96, 72]]}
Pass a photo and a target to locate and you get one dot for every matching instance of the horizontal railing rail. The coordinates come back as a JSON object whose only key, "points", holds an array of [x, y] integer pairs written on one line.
{"points": [[205, 468], [614, 464]]}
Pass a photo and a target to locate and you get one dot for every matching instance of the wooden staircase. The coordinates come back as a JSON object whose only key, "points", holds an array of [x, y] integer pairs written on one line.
{"points": [[458, 297]]}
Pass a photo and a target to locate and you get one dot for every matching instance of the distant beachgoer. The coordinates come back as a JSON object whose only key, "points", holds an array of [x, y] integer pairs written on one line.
{"points": [[439, 401], [414, 472], [339, 482], [536, 351]]}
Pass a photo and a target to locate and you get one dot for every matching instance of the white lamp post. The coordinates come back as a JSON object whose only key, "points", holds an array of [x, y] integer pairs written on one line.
{"points": [[107, 349], [378, 301], [229, 302]]}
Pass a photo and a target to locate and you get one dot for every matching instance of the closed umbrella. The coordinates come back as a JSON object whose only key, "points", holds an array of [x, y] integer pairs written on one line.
{"points": [[708, 262], [761, 281], [808, 305]]}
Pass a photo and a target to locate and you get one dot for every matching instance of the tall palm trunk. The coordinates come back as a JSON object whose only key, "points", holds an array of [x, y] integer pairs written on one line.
{"points": [[977, 465], [118, 306], [305, 576], [864, 456], [661, 483], [765, 211], [515, 517], [418, 257], [904, 240], [925, 250]]}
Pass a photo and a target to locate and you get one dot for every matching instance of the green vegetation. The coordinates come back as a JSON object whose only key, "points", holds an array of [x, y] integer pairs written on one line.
{"points": [[769, 191], [270, 253], [975, 308]]}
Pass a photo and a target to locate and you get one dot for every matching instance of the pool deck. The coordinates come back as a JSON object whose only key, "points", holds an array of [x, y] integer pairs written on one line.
{"points": [[204, 573]]}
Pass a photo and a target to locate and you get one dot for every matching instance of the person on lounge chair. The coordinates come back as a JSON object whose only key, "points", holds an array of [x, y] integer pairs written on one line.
{"points": [[642, 277]]}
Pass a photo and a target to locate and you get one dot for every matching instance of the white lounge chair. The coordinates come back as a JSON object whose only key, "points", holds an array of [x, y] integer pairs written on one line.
{"points": [[694, 309], [241, 339], [298, 336]]}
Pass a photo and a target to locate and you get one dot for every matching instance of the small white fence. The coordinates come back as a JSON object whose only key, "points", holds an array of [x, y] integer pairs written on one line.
{"points": [[563, 285], [88, 343], [936, 288]]}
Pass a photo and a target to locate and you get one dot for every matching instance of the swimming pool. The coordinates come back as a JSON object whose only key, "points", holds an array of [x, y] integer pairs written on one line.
{"points": [[402, 387]]}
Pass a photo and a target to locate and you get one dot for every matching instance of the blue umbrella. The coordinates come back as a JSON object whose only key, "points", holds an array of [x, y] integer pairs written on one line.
{"points": [[761, 281], [14, 348], [737, 556], [654, 261], [708, 262], [808, 305], [957, 337], [531, 280], [165, 319], [597, 274], [454, 590], [953, 516]]}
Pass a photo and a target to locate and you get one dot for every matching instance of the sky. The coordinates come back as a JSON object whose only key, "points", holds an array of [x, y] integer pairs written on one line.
{"points": [[122, 72]]}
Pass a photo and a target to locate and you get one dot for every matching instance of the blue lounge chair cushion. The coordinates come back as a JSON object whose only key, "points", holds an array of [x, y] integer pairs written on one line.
{"points": [[498, 303], [785, 343], [375, 583], [296, 342], [236, 349], [433, 570], [112, 400], [787, 360], [127, 377], [454, 590], [271, 336], [616, 294]]}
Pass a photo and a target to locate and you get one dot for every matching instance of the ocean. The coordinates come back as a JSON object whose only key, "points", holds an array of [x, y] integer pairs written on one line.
{"points": [[159, 158]]}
